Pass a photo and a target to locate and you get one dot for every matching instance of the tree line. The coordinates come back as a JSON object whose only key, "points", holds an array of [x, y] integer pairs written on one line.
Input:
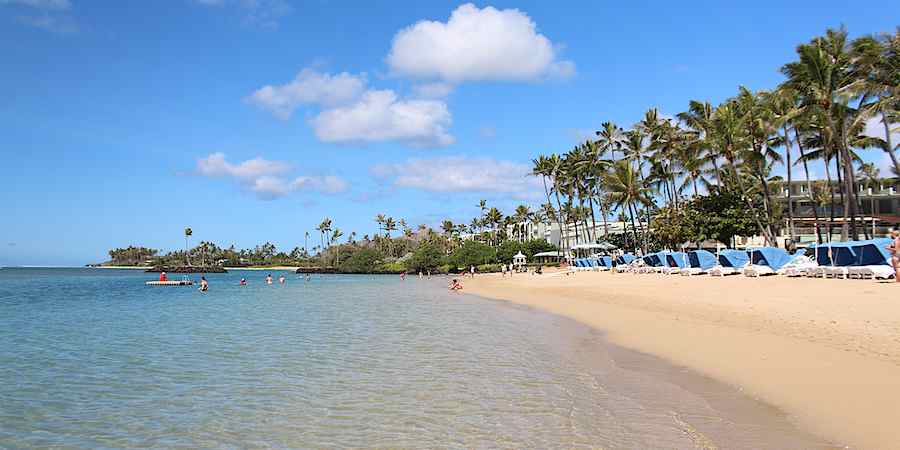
{"points": [[654, 171]]}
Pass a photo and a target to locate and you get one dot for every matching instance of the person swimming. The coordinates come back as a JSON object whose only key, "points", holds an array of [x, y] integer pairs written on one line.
{"points": [[243, 282], [204, 285], [269, 279], [281, 279]]}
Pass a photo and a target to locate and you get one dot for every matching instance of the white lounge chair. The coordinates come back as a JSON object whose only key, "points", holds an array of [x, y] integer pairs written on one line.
{"points": [[757, 270], [688, 271], [721, 271], [880, 271], [836, 272]]}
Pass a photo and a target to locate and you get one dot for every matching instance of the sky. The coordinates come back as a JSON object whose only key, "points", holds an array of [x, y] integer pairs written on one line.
{"points": [[123, 122]]}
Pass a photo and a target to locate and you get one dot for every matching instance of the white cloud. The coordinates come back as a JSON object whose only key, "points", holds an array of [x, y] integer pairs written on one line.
{"points": [[309, 88], [462, 174], [52, 5], [351, 112], [477, 44], [267, 178], [215, 165], [380, 116], [433, 90]]}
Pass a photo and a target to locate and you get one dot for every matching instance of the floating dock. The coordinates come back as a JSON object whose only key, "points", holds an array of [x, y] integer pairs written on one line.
{"points": [[170, 283]]}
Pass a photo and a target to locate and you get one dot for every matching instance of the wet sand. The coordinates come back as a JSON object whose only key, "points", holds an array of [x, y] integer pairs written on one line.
{"points": [[825, 351]]}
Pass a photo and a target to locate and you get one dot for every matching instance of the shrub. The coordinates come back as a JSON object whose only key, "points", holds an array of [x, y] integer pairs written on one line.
{"points": [[363, 260], [487, 268], [507, 250], [427, 257], [472, 253]]}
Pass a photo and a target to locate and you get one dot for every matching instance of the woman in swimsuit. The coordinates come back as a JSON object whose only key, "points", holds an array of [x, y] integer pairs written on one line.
{"points": [[894, 248], [204, 285]]}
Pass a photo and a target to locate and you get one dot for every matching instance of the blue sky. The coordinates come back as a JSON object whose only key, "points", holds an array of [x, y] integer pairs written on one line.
{"points": [[251, 120]]}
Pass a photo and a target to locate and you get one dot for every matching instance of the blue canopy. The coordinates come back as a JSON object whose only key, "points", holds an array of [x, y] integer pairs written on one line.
{"points": [[702, 259], [733, 258], [872, 252], [676, 259], [773, 257], [625, 259], [837, 254], [652, 260]]}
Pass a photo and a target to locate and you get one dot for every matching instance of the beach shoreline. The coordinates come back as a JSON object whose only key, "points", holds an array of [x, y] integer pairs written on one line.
{"points": [[827, 352]]}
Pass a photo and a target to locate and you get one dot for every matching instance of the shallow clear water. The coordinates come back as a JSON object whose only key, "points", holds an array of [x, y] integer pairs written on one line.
{"points": [[94, 359]]}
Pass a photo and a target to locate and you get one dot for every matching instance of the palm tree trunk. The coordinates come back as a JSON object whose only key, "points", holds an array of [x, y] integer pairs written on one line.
{"points": [[831, 205], [841, 179], [809, 185], [633, 227], [563, 235], [593, 216], [765, 230], [890, 146], [787, 158]]}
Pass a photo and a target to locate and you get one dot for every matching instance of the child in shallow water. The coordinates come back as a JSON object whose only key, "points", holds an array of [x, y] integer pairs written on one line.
{"points": [[455, 285]]}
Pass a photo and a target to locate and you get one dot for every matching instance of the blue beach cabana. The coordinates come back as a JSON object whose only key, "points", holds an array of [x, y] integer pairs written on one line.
{"points": [[772, 257], [733, 258], [872, 259], [699, 261], [625, 259], [676, 259]]}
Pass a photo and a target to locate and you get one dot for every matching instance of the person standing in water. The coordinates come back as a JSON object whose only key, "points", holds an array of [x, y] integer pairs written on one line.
{"points": [[269, 279], [281, 279], [243, 282], [163, 277], [204, 285]]}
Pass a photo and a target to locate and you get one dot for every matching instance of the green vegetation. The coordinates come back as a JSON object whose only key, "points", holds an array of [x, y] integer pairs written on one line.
{"points": [[651, 173]]}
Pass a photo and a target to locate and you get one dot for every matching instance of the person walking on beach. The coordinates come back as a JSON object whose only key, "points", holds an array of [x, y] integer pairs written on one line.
{"points": [[894, 248], [472, 271], [503, 270]]}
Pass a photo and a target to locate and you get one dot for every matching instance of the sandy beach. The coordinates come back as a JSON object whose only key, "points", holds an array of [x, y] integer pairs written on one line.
{"points": [[827, 352]]}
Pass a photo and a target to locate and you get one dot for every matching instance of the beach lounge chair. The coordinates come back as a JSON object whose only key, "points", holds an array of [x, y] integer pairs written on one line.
{"points": [[798, 266], [766, 261], [835, 259], [699, 262], [872, 260], [675, 261], [605, 263], [730, 263]]}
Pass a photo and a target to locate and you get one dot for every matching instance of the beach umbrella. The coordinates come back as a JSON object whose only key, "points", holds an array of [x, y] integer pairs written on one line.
{"points": [[605, 246]]}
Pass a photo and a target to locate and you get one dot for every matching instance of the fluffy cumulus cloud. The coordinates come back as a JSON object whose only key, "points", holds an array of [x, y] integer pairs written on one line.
{"points": [[380, 115], [309, 87], [477, 44], [350, 112], [268, 179], [462, 174]]}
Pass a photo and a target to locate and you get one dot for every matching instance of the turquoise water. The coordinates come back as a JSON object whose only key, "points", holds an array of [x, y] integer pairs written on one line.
{"points": [[92, 358]]}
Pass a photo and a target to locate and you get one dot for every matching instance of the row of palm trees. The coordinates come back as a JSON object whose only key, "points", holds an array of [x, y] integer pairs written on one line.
{"points": [[834, 88]]}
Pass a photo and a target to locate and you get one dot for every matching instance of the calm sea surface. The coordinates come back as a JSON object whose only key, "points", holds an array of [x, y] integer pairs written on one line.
{"points": [[92, 358]]}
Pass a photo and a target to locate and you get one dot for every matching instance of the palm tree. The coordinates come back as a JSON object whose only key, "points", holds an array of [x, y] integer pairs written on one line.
{"points": [[869, 175], [494, 218], [876, 73], [389, 227], [187, 257], [820, 76], [306, 242], [627, 191]]}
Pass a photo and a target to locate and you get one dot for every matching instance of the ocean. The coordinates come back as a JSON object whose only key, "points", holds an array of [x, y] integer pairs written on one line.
{"points": [[93, 358]]}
